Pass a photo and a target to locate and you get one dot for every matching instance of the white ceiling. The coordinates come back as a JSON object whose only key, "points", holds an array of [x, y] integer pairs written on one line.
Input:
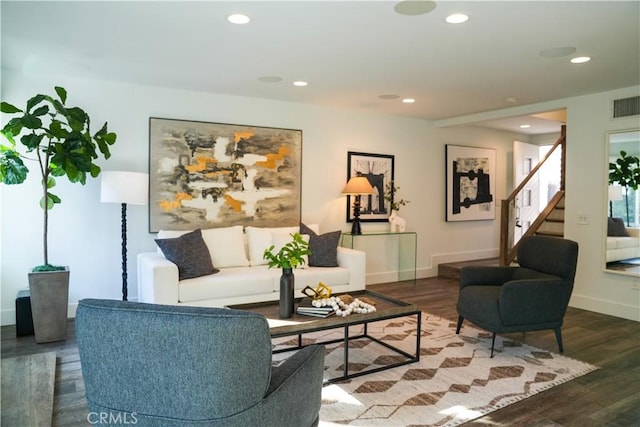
{"points": [[349, 52]]}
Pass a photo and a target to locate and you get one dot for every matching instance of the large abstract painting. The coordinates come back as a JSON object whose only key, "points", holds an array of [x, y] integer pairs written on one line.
{"points": [[470, 183], [208, 175], [378, 169]]}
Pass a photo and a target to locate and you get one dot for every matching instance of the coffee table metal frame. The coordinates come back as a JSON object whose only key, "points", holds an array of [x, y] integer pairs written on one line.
{"points": [[393, 309]]}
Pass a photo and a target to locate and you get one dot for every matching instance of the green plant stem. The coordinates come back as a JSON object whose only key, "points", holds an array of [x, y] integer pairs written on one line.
{"points": [[45, 189]]}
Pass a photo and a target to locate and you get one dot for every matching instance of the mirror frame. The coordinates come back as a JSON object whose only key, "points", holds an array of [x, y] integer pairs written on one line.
{"points": [[606, 198]]}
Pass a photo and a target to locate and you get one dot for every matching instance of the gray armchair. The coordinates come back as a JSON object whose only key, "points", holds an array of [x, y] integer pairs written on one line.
{"points": [[531, 297], [158, 365]]}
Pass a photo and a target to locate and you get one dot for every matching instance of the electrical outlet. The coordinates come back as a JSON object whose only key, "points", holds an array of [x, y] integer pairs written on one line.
{"points": [[583, 219], [636, 285]]}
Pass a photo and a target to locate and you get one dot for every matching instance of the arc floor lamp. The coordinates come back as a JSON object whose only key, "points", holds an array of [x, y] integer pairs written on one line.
{"points": [[124, 188]]}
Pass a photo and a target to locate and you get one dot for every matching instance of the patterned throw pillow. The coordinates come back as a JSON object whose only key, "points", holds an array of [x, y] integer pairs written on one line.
{"points": [[189, 253], [323, 248]]}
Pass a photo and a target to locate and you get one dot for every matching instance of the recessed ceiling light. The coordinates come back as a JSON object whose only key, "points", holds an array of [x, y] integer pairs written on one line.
{"points": [[238, 18], [414, 7], [389, 96], [457, 18], [270, 79], [408, 100], [300, 83], [580, 59], [525, 126], [558, 52]]}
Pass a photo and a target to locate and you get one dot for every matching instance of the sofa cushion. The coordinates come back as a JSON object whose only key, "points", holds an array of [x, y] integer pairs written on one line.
{"points": [[261, 238], [258, 239], [228, 283], [324, 247], [189, 253], [615, 228], [225, 245], [622, 242]]}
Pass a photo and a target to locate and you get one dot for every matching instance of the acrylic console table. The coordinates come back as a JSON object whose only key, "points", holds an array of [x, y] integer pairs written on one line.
{"points": [[395, 249]]}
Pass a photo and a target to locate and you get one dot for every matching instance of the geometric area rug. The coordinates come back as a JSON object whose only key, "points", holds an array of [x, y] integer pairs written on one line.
{"points": [[454, 382]]}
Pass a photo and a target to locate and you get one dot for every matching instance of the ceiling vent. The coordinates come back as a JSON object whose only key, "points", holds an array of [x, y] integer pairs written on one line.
{"points": [[626, 107]]}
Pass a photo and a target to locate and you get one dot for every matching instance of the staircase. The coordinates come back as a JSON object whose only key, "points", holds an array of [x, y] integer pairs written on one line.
{"points": [[553, 224], [451, 270], [550, 222]]}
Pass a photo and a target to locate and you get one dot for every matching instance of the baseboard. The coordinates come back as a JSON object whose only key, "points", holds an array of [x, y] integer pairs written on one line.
{"points": [[382, 277], [8, 317], [432, 270], [610, 308], [426, 272]]}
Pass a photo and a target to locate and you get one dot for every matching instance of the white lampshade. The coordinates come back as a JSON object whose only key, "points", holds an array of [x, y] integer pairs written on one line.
{"points": [[615, 192], [358, 185], [124, 187]]}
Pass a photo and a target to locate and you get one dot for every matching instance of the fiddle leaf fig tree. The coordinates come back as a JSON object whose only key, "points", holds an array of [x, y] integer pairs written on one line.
{"points": [[626, 172], [58, 140]]}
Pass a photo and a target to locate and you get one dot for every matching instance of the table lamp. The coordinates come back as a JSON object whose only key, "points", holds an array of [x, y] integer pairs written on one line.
{"points": [[125, 188], [357, 186]]}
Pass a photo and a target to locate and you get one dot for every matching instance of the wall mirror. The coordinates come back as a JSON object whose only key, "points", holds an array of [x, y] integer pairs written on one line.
{"points": [[622, 230]]}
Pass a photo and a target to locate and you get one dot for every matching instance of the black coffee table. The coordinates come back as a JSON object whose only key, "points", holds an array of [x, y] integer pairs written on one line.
{"points": [[299, 325]]}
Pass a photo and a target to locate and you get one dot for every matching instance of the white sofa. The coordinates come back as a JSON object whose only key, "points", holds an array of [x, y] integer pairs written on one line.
{"points": [[243, 275], [624, 247]]}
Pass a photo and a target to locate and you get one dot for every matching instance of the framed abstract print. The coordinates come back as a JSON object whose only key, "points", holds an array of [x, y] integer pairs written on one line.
{"points": [[471, 175], [209, 175]]}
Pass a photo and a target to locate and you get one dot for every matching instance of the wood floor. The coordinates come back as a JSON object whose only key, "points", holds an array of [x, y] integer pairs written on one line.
{"points": [[609, 396]]}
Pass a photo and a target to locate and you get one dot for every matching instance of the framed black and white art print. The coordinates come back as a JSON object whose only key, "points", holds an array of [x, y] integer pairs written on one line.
{"points": [[471, 177], [378, 169]]}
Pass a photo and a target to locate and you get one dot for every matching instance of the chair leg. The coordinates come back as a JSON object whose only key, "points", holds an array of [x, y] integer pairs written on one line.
{"points": [[559, 339], [460, 320], [493, 343]]}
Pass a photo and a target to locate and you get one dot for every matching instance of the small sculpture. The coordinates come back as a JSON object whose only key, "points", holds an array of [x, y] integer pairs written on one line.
{"points": [[320, 292], [398, 224]]}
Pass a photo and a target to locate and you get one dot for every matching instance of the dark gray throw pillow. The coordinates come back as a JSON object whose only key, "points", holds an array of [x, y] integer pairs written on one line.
{"points": [[189, 253], [323, 248], [615, 228]]}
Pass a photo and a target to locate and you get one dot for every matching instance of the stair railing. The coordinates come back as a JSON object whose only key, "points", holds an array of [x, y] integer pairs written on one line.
{"points": [[508, 211]]}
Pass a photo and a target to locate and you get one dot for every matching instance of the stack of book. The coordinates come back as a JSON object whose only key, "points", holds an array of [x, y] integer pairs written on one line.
{"points": [[307, 309]]}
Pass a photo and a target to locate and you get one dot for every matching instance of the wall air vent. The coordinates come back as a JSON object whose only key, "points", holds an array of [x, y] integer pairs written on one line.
{"points": [[626, 107]]}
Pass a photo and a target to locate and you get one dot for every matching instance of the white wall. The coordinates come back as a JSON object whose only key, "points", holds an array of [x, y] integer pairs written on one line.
{"points": [[588, 119], [85, 234]]}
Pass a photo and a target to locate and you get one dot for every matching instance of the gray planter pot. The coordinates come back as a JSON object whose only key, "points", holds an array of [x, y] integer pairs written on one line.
{"points": [[49, 302]]}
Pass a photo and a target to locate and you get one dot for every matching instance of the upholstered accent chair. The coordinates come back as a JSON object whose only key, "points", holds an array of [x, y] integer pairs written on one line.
{"points": [[160, 365], [530, 297]]}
